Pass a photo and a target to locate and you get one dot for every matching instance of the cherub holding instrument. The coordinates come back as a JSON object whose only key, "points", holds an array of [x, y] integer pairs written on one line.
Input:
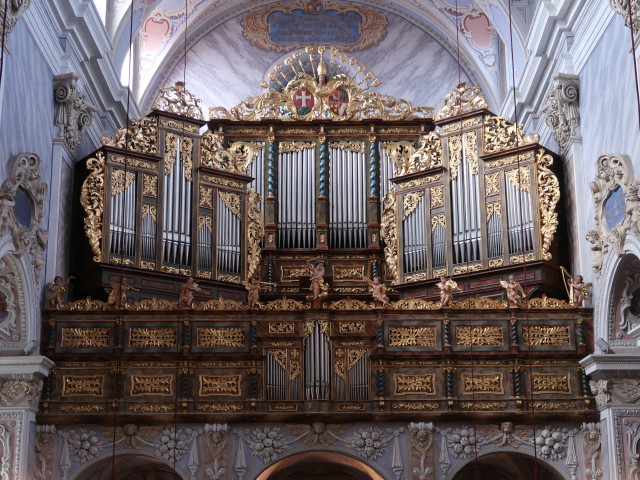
{"points": [[56, 291], [187, 290], [118, 294], [253, 297], [447, 286], [319, 288], [577, 290], [515, 293], [378, 291]]}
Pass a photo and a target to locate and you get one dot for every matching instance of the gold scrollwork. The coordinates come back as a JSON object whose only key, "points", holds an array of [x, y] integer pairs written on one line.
{"points": [[482, 383], [427, 179], [231, 201], [209, 337], [494, 208], [149, 185], [415, 304], [351, 327], [180, 126], [389, 233], [84, 337], [121, 181], [515, 259], [144, 385], [399, 153], [229, 278], [352, 146], [414, 384], [546, 335], [548, 196], [492, 184], [352, 358], [82, 385], [92, 200], [176, 271], [235, 159], [417, 406], [438, 220], [85, 408], [551, 383], [467, 336], [348, 304], [350, 272], [282, 327], [501, 135], [428, 155], [214, 385], [285, 147], [468, 123], [205, 222], [140, 337], [217, 407], [222, 181], [548, 303], [178, 100], [466, 269], [410, 202], [498, 262], [255, 232], [553, 405], [471, 150], [462, 99], [149, 211], [484, 406], [455, 155], [283, 304], [437, 196], [508, 160], [416, 277], [519, 178], [206, 197], [141, 136], [150, 408], [412, 336]]}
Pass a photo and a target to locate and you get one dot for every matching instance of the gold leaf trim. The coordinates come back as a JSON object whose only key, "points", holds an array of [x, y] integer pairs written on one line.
{"points": [[255, 232], [92, 200], [389, 233], [548, 197]]}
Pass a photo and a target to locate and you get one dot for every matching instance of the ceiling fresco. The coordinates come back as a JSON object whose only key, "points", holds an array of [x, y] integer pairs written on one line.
{"points": [[418, 48]]}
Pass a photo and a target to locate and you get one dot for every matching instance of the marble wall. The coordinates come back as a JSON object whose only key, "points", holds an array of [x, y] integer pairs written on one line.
{"points": [[223, 68]]}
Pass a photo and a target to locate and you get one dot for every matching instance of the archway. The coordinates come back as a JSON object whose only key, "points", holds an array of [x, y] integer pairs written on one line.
{"points": [[506, 466], [319, 466], [129, 467]]}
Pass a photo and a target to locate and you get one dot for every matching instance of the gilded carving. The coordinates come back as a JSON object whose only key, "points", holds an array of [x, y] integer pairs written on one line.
{"points": [[84, 408], [455, 155], [418, 406], [282, 327], [149, 185], [466, 268], [416, 277], [150, 304], [427, 155], [413, 336], [551, 383], [84, 337], [293, 273], [178, 100], [548, 303], [492, 183], [342, 366], [470, 140], [351, 327], [286, 147], [519, 178], [438, 220], [82, 385], [482, 383], [414, 384], [213, 385], [410, 202], [92, 200], [468, 336], [462, 99], [494, 208], [255, 232], [351, 272], [141, 337], [285, 304], [437, 196], [483, 406], [206, 197], [415, 304], [524, 157], [180, 126], [219, 304], [146, 385], [150, 408], [351, 146], [229, 278], [235, 159], [416, 182], [348, 304], [498, 262], [132, 162], [515, 259], [217, 407], [389, 233], [553, 405], [457, 126], [220, 337], [141, 136], [546, 335], [222, 181], [500, 135]]}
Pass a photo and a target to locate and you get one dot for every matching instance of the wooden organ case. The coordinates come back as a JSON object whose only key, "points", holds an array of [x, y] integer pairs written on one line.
{"points": [[318, 168]]}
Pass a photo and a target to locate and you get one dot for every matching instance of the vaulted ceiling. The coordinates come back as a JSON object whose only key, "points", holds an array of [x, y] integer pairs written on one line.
{"points": [[418, 50]]}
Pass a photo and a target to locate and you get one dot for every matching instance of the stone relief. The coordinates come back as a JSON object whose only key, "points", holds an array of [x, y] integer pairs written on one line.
{"points": [[616, 197], [73, 110], [591, 441], [621, 7], [421, 436], [630, 303], [20, 390], [15, 9], [561, 109], [23, 174]]}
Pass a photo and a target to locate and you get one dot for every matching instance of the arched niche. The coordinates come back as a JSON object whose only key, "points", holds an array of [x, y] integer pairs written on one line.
{"points": [[502, 465], [319, 465], [128, 466]]}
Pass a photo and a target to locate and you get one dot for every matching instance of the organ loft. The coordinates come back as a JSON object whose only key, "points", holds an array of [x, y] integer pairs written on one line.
{"points": [[320, 251]]}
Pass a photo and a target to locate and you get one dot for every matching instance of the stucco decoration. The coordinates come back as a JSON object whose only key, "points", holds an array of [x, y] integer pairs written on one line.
{"points": [[73, 110], [591, 441], [621, 7], [23, 180], [15, 8], [630, 303], [616, 198], [561, 109]]}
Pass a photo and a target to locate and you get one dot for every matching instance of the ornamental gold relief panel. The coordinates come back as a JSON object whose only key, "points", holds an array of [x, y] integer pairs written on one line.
{"points": [[151, 338], [473, 383], [82, 385], [551, 383], [414, 384], [150, 385], [87, 339], [401, 336], [210, 337], [553, 335], [490, 337], [217, 385]]}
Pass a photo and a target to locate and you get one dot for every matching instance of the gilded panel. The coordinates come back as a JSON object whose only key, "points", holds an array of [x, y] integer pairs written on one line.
{"points": [[348, 272], [552, 383], [490, 383], [219, 407], [414, 383], [422, 336], [149, 185], [289, 274], [282, 327], [208, 337], [213, 385], [546, 335], [82, 385], [486, 336], [351, 327], [146, 385], [418, 406], [142, 337], [84, 337]]}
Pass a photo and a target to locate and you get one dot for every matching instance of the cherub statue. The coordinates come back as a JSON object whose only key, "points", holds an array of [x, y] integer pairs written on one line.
{"points": [[56, 291], [577, 290], [378, 291], [515, 293], [186, 293], [447, 286], [118, 294], [318, 288], [253, 297]]}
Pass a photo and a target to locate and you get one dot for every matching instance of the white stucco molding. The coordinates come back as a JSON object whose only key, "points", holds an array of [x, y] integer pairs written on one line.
{"points": [[561, 110]]}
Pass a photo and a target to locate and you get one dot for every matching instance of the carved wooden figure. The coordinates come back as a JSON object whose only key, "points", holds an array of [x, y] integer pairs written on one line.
{"points": [[186, 293], [56, 291], [515, 293]]}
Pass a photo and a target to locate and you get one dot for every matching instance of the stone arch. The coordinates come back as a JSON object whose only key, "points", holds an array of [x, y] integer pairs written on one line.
{"points": [[315, 465], [506, 465], [129, 465]]}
